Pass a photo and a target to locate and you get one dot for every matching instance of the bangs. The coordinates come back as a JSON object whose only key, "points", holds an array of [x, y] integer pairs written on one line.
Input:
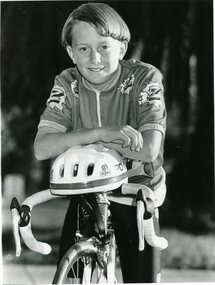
{"points": [[113, 29], [106, 21]]}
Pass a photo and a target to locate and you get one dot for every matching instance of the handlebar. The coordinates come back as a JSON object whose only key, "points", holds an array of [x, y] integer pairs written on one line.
{"points": [[21, 218], [145, 200], [21, 222]]}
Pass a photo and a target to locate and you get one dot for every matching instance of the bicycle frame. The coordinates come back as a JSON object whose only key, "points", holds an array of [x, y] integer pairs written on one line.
{"points": [[95, 236]]}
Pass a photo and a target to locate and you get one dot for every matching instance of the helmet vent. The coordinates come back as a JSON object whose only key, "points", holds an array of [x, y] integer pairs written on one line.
{"points": [[75, 170], [90, 169], [62, 170]]}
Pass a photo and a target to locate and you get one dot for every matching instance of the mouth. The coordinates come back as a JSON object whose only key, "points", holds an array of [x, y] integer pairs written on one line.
{"points": [[96, 69]]}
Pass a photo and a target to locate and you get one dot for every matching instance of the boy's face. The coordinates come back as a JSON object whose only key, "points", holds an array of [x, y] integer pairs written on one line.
{"points": [[96, 56]]}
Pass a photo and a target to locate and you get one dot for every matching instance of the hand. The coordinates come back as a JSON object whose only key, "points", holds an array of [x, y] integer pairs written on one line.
{"points": [[126, 136]]}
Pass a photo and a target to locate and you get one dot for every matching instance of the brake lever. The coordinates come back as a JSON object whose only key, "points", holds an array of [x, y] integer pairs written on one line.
{"points": [[148, 204], [15, 218], [21, 216]]}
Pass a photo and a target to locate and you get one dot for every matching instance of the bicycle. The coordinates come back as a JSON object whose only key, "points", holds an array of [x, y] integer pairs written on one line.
{"points": [[93, 256]]}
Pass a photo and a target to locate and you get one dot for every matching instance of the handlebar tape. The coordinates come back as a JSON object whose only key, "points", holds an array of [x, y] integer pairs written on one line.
{"points": [[146, 229], [158, 195], [26, 232], [32, 243], [39, 197], [145, 226], [133, 188], [151, 237]]}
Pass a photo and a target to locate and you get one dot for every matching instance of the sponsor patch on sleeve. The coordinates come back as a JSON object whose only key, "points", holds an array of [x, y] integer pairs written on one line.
{"points": [[151, 94], [127, 85], [57, 98]]}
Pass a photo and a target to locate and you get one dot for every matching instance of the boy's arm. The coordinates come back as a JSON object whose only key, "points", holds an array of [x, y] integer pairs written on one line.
{"points": [[149, 151], [49, 142]]}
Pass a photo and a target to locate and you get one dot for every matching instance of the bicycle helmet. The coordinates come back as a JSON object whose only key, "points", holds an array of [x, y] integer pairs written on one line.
{"points": [[87, 169]]}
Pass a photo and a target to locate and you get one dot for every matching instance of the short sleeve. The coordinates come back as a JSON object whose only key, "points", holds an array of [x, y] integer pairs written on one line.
{"points": [[58, 112], [150, 104]]}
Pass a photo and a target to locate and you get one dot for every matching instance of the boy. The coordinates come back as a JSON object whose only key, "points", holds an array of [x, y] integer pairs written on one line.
{"points": [[108, 100]]}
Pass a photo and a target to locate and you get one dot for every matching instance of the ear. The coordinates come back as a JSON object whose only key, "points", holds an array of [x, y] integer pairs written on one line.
{"points": [[123, 49], [71, 54]]}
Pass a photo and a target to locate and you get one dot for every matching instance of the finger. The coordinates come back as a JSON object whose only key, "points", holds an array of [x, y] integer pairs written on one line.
{"points": [[125, 138], [137, 139], [134, 137]]}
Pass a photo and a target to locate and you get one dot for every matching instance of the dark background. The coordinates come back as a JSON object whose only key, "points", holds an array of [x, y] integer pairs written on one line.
{"points": [[174, 36]]}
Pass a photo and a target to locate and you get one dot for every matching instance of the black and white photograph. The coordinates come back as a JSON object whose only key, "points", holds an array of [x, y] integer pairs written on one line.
{"points": [[107, 142]]}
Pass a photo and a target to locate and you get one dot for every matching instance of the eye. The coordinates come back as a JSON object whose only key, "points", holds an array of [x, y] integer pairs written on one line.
{"points": [[104, 47], [83, 49]]}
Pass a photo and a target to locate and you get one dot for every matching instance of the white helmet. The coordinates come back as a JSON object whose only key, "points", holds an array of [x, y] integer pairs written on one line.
{"points": [[87, 169]]}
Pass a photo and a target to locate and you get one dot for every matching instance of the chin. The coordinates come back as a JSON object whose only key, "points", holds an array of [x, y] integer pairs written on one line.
{"points": [[96, 81]]}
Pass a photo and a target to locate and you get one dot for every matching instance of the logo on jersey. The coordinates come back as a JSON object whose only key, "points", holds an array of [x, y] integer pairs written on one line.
{"points": [[57, 98], [151, 94], [127, 85], [74, 88]]}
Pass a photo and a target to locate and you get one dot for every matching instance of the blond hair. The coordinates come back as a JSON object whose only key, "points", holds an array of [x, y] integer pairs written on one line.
{"points": [[102, 17]]}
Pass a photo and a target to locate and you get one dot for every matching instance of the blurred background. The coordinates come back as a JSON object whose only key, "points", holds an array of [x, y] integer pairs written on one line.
{"points": [[174, 36]]}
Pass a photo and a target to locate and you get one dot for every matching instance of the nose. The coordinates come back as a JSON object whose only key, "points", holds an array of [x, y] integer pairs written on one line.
{"points": [[95, 57]]}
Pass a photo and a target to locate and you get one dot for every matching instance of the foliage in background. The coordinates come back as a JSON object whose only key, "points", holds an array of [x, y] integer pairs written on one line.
{"points": [[175, 36], [188, 251]]}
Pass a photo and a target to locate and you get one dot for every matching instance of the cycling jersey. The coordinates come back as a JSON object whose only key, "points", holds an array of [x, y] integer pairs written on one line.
{"points": [[134, 98]]}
